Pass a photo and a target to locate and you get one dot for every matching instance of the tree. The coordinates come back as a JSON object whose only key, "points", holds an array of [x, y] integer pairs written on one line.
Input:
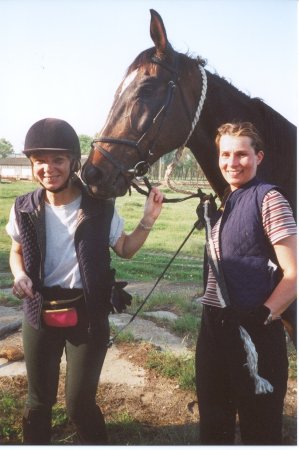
{"points": [[85, 142], [6, 148]]}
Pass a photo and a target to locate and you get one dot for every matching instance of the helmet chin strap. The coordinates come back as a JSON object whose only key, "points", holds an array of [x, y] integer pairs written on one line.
{"points": [[65, 184], [61, 188]]}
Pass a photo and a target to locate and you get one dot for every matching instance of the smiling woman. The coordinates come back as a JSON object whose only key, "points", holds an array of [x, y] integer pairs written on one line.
{"points": [[60, 261], [254, 238]]}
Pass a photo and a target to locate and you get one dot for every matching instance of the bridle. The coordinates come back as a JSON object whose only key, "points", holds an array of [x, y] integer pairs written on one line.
{"points": [[143, 165]]}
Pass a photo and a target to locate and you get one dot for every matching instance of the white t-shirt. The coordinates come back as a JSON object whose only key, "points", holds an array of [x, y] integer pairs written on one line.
{"points": [[61, 265]]}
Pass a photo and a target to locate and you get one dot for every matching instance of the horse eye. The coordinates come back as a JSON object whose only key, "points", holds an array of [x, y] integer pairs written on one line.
{"points": [[147, 91]]}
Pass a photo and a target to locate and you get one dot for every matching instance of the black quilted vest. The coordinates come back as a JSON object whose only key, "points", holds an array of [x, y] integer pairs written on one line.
{"points": [[245, 250], [92, 248]]}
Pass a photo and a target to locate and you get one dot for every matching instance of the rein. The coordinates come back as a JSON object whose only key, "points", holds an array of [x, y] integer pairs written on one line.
{"points": [[198, 194], [143, 165]]}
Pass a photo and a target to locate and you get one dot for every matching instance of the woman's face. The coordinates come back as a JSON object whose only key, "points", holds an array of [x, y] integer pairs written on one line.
{"points": [[237, 160], [51, 169]]}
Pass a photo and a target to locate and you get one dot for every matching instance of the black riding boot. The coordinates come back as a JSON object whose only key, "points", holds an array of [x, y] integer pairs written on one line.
{"points": [[37, 427], [92, 429]]}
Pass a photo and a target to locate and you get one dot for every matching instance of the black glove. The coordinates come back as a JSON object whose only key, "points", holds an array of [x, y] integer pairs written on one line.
{"points": [[258, 316], [119, 299]]}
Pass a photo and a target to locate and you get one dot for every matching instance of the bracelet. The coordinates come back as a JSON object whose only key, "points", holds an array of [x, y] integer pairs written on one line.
{"points": [[144, 226]]}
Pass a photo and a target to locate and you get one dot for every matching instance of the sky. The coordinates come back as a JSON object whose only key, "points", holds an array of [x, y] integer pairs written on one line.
{"points": [[66, 58]]}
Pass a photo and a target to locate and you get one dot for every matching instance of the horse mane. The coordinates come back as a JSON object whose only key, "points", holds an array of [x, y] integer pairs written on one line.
{"points": [[276, 129]]}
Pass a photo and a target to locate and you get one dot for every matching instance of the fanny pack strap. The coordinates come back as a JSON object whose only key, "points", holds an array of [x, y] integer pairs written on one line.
{"points": [[62, 301]]}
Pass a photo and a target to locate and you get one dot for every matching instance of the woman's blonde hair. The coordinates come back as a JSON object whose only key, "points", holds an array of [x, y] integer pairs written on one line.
{"points": [[240, 129]]}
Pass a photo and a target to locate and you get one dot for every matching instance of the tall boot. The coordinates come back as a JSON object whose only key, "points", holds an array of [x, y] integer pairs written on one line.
{"points": [[91, 428], [37, 427]]}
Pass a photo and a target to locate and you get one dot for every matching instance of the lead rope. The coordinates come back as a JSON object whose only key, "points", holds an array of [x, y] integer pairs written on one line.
{"points": [[262, 386], [179, 151]]}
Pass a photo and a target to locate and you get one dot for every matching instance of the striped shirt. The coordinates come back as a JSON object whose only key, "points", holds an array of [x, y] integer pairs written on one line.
{"points": [[278, 223]]}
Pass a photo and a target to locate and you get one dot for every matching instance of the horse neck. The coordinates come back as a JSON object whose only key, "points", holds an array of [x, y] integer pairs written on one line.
{"points": [[225, 103]]}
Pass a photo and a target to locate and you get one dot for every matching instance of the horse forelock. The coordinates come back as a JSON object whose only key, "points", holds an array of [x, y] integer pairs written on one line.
{"points": [[143, 61]]}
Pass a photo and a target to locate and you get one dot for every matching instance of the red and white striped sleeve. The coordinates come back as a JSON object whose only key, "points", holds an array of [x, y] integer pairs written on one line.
{"points": [[277, 215]]}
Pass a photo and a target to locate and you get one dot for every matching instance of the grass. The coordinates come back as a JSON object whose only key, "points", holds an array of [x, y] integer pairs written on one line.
{"points": [[5, 280], [292, 357], [124, 336], [176, 302], [10, 405], [186, 325], [126, 430], [179, 368], [9, 300]]}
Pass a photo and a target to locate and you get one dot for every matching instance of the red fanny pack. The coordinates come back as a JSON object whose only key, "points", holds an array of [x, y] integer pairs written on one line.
{"points": [[66, 317]]}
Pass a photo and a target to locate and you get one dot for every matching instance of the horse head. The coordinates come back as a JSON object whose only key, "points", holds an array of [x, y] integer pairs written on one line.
{"points": [[151, 115]]}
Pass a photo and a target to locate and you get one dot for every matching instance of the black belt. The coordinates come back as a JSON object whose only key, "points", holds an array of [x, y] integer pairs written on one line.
{"points": [[56, 295]]}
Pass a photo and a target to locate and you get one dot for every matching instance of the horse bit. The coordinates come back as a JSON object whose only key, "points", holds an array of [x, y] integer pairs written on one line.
{"points": [[142, 167]]}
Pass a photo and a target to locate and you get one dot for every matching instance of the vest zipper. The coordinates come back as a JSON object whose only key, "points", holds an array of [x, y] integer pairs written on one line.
{"points": [[32, 217], [81, 220]]}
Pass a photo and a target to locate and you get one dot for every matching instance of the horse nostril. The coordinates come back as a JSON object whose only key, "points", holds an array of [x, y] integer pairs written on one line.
{"points": [[92, 175]]}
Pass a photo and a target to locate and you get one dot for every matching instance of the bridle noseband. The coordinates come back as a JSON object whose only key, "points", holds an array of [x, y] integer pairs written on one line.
{"points": [[143, 165]]}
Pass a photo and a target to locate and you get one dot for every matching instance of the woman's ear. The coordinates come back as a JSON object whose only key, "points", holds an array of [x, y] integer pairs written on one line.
{"points": [[260, 156]]}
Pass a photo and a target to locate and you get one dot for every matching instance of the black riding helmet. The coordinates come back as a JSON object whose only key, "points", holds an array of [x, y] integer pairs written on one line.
{"points": [[52, 134]]}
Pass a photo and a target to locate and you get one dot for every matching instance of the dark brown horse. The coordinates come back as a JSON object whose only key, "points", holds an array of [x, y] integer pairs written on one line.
{"points": [[168, 99]]}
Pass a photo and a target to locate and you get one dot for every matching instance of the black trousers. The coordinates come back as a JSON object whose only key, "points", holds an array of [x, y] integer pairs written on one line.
{"points": [[225, 388], [85, 356]]}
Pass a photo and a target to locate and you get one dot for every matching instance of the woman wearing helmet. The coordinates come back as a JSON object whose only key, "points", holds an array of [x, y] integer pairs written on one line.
{"points": [[61, 265]]}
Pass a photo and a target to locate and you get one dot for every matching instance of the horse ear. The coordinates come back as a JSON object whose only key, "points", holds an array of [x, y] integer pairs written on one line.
{"points": [[158, 33]]}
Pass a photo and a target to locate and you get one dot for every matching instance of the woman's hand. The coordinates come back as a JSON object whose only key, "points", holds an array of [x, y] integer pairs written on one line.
{"points": [[22, 286], [128, 244], [152, 207]]}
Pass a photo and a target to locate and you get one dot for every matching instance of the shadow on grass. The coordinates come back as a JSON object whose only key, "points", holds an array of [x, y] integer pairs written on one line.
{"points": [[138, 433]]}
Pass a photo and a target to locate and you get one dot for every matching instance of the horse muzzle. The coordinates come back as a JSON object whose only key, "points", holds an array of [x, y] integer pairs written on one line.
{"points": [[101, 184]]}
